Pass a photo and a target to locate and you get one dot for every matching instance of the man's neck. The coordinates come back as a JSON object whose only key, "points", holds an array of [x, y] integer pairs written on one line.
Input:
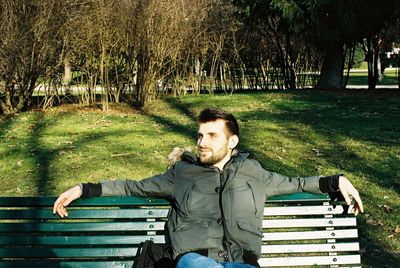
{"points": [[221, 164]]}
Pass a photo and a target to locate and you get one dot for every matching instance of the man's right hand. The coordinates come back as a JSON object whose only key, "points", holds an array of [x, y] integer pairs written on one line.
{"points": [[65, 199]]}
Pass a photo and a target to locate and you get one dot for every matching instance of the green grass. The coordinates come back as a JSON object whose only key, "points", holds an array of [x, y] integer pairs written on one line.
{"points": [[361, 78], [297, 133]]}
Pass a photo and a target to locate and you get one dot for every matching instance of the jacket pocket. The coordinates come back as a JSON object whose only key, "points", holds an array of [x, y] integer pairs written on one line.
{"points": [[251, 228], [182, 198], [193, 224], [258, 197]]}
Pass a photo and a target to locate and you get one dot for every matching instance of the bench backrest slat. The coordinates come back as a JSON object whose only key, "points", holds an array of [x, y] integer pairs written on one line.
{"points": [[79, 240], [67, 264], [312, 222], [68, 252], [302, 248], [302, 210], [28, 213], [307, 235], [122, 201], [81, 227], [310, 261]]}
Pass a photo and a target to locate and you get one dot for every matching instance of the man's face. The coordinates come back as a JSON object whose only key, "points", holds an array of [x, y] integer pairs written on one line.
{"points": [[212, 142]]}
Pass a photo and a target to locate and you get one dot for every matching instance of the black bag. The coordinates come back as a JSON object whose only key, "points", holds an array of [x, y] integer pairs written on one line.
{"points": [[154, 256]]}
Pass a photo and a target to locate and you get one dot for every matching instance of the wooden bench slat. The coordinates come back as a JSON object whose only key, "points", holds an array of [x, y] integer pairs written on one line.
{"points": [[299, 197], [66, 264], [80, 240], [90, 202], [318, 260], [81, 227], [135, 200], [68, 252], [303, 210], [322, 222], [85, 214], [308, 235], [303, 248]]}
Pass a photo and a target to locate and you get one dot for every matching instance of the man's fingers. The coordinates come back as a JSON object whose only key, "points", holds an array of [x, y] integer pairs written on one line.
{"points": [[59, 201], [60, 204], [346, 198], [348, 191], [359, 203], [67, 201], [62, 211], [357, 209]]}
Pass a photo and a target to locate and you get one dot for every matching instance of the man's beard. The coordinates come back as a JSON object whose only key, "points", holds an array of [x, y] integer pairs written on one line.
{"points": [[215, 157]]}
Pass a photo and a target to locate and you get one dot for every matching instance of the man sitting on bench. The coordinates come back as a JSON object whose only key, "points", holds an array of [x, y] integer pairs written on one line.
{"points": [[217, 197]]}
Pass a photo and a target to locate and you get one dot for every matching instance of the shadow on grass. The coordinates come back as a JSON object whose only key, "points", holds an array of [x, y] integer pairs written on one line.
{"points": [[374, 253], [44, 157], [6, 124], [338, 121], [189, 131]]}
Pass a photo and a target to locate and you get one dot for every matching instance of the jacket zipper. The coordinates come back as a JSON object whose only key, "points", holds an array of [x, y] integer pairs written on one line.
{"points": [[224, 238]]}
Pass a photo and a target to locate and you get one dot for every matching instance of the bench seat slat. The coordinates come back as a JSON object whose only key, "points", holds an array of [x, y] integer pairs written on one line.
{"points": [[322, 222], [68, 252], [308, 235], [303, 248], [80, 240], [66, 264], [81, 227], [85, 214], [302, 210], [318, 260]]}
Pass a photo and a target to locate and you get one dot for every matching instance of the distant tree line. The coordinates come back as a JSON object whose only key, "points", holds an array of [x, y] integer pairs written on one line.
{"points": [[138, 50]]}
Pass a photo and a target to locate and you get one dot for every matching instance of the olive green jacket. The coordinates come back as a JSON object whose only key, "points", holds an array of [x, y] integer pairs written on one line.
{"points": [[213, 210]]}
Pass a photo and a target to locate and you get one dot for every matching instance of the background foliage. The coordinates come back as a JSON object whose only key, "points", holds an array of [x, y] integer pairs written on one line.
{"points": [[104, 51]]}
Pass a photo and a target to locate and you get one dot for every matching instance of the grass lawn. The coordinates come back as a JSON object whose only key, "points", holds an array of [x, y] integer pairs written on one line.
{"points": [[297, 133], [357, 78]]}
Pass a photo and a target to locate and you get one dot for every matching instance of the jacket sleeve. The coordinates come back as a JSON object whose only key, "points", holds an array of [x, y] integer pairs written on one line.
{"points": [[277, 184], [156, 186]]}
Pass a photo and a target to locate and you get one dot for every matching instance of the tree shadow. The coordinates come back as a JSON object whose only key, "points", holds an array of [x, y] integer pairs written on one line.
{"points": [[44, 157], [336, 123], [6, 124], [339, 120], [189, 131]]}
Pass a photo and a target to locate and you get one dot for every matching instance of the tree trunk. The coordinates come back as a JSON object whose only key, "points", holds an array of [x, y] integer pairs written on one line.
{"points": [[331, 76], [67, 72]]}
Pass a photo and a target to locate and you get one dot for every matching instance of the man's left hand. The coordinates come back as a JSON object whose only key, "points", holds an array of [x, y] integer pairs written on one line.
{"points": [[347, 189]]}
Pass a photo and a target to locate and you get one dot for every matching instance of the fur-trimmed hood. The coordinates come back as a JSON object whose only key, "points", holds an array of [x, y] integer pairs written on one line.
{"points": [[179, 154]]}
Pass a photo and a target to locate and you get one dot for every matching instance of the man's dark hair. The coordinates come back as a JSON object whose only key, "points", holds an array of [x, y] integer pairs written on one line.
{"points": [[213, 114]]}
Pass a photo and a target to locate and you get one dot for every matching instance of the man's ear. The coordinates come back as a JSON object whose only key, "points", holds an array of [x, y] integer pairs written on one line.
{"points": [[233, 141]]}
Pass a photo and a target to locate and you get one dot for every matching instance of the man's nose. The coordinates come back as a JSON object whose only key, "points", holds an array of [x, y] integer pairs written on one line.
{"points": [[202, 142]]}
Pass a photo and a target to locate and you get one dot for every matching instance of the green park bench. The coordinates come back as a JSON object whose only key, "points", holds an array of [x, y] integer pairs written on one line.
{"points": [[299, 230]]}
